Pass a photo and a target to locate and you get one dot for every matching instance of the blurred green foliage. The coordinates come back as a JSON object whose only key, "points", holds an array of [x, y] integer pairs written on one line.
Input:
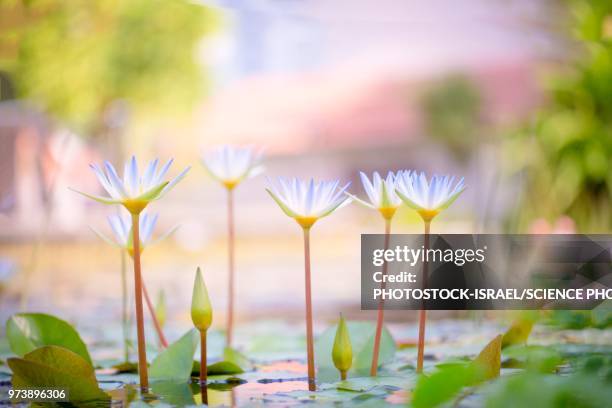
{"points": [[565, 153], [453, 111], [600, 317], [75, 59], [585, 383]]}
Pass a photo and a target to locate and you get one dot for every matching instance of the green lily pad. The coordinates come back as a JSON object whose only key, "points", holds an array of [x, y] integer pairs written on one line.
{"points": [[224, 368], [28, 331], [218, 368], [127, 367], [234, 356], [362, 339], [175, 362], [442, 385], [57, 367], [365, 384]]}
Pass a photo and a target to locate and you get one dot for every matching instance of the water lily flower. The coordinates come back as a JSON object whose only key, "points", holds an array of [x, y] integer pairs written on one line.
{"points": [[122, 230], [428, 198], [121, 225], [383, 198], [381, 194], [135, 192], [231, 165], [307, 202], [342, 351], [201, 316]]}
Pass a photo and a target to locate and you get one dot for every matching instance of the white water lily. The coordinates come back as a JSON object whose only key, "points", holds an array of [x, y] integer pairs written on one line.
{"points": [[381, 193], [428, 198], [136, 190], [231, 164], [308, 201], [121, 225]]}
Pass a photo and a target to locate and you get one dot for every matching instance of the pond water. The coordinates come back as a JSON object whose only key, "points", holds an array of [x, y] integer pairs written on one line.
{"points": [[278, 375]]}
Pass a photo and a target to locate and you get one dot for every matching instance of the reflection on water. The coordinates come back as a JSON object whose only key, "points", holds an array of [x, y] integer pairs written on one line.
{"points": [[229, 392]]}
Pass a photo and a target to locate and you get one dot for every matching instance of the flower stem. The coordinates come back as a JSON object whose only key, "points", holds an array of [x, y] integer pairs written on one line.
{"points": [[309, 335], [160, 333], [230, 245], [381, 311], [142, 352], [203, 366], [124, 308], [343, 375], [423, 312]]}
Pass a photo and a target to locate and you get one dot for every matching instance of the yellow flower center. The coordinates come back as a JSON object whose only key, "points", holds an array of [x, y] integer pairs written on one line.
{"points": [[130, 250], [306, 222], [135, 206], [230, 184], [428, 215], [387, 212]]}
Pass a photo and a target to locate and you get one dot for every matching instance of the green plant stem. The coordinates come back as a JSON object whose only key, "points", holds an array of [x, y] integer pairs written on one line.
{"points": [[203, 366], [124, 308], [423, 312], [309, 332], [381, 304], [142, 352], [230, 245]]}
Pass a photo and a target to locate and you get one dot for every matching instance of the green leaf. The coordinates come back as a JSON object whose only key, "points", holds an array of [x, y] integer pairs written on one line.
{"points": [[518, 332], [27, 331], [530, 389], [488, 361], [176, 393], [224, 368], [234, 356], [362, 340], [535, 358], [57, 367], [126, 367], [174, 363], [442, 385], [365, 384], [449, 379]]}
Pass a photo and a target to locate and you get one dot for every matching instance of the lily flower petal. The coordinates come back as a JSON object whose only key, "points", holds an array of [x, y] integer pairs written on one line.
{"points": [[134, 192], [308, 201]]}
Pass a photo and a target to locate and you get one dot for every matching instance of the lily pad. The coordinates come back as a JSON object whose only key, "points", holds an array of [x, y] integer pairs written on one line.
{"points": [[28, 331], [57, 367], [175, 362], [237, 358], [446, 382], [223, 368], [126, 367], [218, 368], [365, 384]]}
